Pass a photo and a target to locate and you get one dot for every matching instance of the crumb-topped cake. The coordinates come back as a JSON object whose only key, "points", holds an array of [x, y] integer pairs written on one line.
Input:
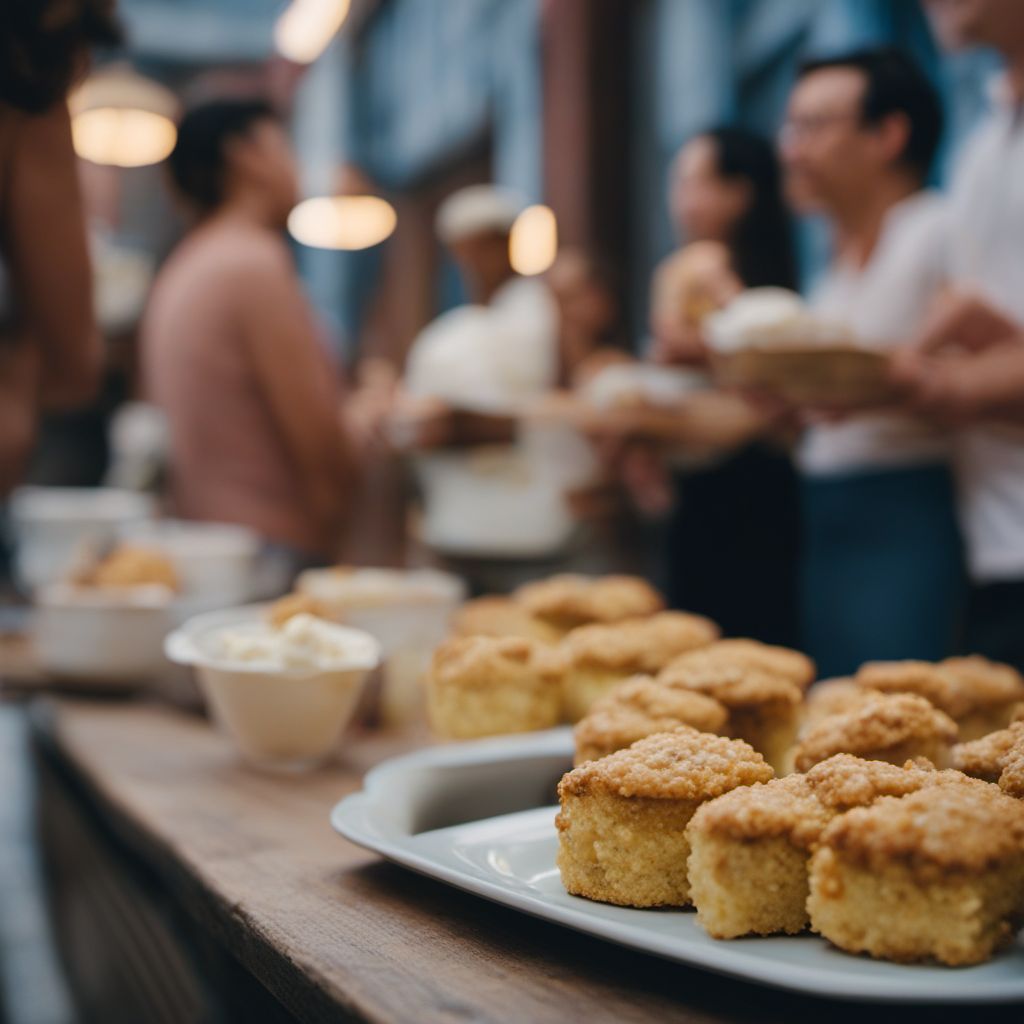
{"points": [[832, 697], [484, 686], [500, 616], [622, 823], [996, 693], [750, 848], [752, 654], [592, 659], [980, 695], [763, 709], [568, 600], [890, 727], [986, 758], [935, 874], [640, 707]]}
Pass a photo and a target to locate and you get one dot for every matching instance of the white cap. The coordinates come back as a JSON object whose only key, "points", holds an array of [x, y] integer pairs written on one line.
{"points": [[476, 210]]}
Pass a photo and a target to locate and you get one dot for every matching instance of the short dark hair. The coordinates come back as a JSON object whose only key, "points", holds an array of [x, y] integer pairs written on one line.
{"points": [[895, 85], [39, 60], [197, 162]]}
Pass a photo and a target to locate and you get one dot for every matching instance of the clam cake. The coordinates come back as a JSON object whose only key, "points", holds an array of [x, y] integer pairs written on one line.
{"points": [[485, 686], [750, 848], [568, 600], [764, 709], [938, 874], [890, 727], [593, 659], [640, 707], [622, 823]]}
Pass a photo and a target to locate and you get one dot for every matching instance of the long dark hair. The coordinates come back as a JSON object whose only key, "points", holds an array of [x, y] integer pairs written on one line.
{"points": [[42, 53], [762, 242]]}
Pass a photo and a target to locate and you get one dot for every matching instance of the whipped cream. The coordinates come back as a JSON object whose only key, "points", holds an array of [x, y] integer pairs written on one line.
{"points": [[303, 642]]}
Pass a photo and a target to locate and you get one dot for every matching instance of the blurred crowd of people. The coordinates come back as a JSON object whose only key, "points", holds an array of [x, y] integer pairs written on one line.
{"points": [[884, 533]]}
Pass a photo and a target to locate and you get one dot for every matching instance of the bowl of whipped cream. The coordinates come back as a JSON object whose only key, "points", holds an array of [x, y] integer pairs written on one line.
{"points": [[282, 692]]}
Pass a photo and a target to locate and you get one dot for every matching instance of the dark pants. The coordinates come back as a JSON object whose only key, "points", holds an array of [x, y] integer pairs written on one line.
{"points": [[995, 622], [732, 545], [882, 573]]}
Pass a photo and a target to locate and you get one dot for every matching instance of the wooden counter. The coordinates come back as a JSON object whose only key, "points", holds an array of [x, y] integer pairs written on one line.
{"points": [[197, 889]]}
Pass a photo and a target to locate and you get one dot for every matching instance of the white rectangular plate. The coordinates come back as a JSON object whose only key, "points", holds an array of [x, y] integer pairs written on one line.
{"points": [[434, 811]]}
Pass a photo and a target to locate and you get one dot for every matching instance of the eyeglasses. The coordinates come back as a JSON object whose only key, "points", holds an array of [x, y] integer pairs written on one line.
{"points": [[801, 127]]}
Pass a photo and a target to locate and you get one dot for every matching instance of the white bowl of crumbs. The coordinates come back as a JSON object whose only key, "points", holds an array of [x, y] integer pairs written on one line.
{"points": [[283, 694]]}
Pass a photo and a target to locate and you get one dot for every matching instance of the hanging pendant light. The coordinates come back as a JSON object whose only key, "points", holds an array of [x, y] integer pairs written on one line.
{"points": [[121, 119]]}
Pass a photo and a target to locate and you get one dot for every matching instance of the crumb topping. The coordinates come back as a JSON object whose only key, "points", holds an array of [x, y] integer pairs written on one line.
{"points": [[986, 682], [986, 757], [752, 654], [500, 616], [1011, 781], [576, 600], [953, 828], [683, 764], [732, 685], [638, 645], [640, 707], [486, 661], [844, 781], [886, 721], [781, 808], [935, 684], [835, 696]]}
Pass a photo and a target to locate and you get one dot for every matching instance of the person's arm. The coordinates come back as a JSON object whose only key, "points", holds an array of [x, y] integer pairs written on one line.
{"points": [[986, 385], [45, 242], [297, 380], [962, 320]]}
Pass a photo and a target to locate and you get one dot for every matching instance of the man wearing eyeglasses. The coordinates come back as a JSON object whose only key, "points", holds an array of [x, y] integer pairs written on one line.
{"points": [[882, 571]]}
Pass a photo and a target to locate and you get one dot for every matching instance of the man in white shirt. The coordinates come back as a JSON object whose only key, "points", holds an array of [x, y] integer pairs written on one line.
{"points": [[967, 366], [882, 573]]}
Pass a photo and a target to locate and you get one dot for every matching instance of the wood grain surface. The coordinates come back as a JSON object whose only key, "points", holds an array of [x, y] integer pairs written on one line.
{"points": [[332, 932]]}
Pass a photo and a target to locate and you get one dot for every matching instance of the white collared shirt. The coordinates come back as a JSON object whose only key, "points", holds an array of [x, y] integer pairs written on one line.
{"points": [[986, 256], [883, 304]]}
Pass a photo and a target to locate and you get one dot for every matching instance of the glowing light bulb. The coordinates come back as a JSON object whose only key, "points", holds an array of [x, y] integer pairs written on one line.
{"points": [[122, 138], [306, 27], [533, 242], [342, 222], [122, 119]]}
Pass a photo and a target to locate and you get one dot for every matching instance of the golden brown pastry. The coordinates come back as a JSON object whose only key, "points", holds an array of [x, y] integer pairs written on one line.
{"points": [[569, 600], [622, 823], [891, 727], [640, 707], [936, 874], [484, 686], [763, 709], [593, 659]]}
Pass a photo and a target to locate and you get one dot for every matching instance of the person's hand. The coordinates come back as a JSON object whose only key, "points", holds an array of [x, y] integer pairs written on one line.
{"points": [[420, 423], [678, 344], [937, 388], [962, 320]]}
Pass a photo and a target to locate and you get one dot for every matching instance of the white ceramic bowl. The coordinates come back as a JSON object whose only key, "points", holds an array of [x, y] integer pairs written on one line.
{"points": [[110, 639], [51, 523], [216, 562], [282, 719]]}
